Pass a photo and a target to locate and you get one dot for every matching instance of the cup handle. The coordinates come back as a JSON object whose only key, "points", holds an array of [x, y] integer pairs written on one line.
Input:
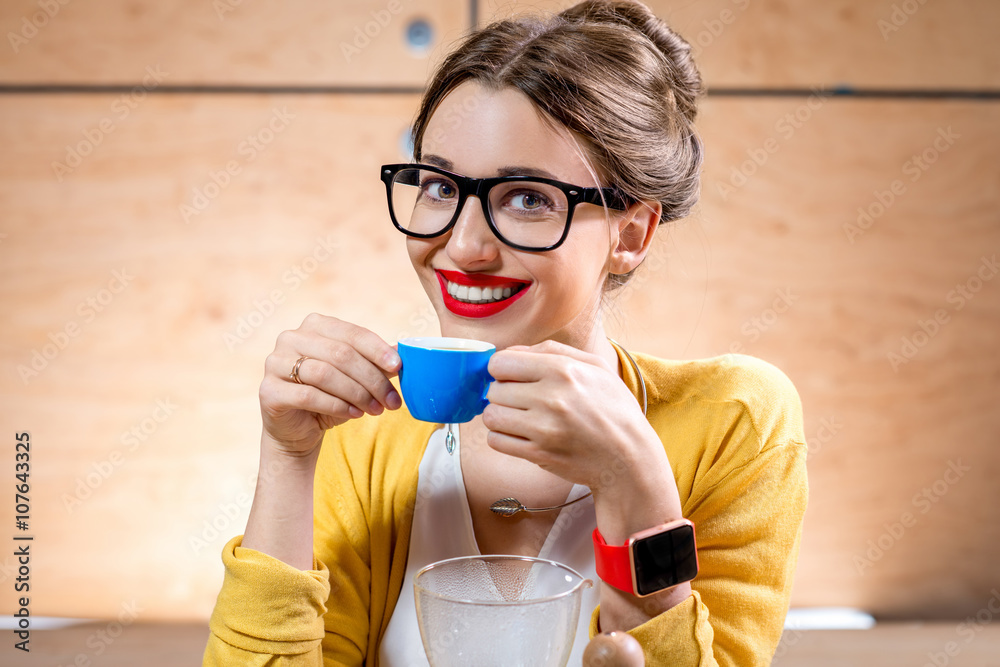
{"points": [[484, 401]]}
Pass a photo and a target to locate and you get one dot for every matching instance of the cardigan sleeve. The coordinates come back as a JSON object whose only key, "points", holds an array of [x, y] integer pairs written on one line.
{"points": [[270, 613], [748, 530], [267, 612], [747, 503]]}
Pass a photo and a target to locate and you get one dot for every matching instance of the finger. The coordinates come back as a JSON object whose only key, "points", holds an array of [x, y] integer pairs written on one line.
{"points": [[523, 364], [278, 396], [517, 366], [348, 359], [362, 385], [508, 421], [519, 395], [555, 347], [613, 649], [322, 376], [369, 344], [511, 445]]}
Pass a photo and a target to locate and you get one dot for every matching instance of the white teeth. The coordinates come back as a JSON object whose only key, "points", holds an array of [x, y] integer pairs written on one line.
{"points": [[481, 294]]}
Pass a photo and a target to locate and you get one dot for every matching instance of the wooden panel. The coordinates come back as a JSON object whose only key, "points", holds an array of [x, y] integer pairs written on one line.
{"points": [[144, 415], [896, 365], [301, 42], [151, 321], [803, 43]]}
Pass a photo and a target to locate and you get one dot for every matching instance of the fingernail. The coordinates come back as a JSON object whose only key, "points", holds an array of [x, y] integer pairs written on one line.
{"points": [[354, 412], [391, 360], [375, 407], [393, 400]]}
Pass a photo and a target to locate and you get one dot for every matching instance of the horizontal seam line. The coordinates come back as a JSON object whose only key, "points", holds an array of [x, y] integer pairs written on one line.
{"points": [[848, 91], [208, 89], [842, 92]]}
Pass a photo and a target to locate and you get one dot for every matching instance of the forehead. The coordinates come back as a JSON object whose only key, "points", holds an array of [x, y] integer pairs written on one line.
{"points": [[483, 132]]}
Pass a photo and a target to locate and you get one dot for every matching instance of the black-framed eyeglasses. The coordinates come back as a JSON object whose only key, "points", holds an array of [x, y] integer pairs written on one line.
{"points": [[525, 212]]}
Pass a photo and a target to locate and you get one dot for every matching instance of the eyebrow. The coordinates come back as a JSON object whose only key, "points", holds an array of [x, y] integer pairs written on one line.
{"points": [[444, 163]]}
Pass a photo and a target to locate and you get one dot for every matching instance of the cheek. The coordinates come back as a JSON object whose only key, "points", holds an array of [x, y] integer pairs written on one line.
{"points": [[567, 286], [584, 264], [420, 252], [417, 249]]}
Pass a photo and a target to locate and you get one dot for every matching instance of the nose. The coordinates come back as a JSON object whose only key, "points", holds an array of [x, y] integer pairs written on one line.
{"points": [[471, 242]]}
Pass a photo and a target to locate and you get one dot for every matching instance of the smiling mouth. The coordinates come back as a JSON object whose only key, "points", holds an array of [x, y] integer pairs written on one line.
{"points": [[473, 294], [479, 295]]}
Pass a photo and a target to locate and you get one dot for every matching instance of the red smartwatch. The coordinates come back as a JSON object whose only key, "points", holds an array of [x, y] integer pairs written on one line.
{"points": [[651, 560]]}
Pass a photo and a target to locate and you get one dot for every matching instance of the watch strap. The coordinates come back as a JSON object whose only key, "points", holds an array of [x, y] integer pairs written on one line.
{"points": [[612, 563]]}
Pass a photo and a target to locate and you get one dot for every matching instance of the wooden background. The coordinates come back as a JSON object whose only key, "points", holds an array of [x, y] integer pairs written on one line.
{"points": [[136, 328]]}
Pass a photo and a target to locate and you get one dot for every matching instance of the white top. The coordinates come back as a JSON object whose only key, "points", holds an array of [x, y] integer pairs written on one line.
{"points": [[442, 528]]}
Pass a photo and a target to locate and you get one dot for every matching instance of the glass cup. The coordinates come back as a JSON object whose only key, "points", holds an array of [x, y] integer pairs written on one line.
{"points": [[498, 611]]}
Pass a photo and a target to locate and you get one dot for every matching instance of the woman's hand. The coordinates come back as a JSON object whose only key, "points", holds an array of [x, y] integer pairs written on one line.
{"points": [[346, 374], [566, 411]]}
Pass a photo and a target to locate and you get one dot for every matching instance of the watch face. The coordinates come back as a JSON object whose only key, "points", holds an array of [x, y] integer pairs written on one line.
{"points": [[664, 560]]}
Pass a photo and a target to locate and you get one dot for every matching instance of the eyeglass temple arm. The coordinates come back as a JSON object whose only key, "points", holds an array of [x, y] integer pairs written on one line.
{"points": [[610, 197]]}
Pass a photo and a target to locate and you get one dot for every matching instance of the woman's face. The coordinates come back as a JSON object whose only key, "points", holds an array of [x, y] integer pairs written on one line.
{"points": [[480, 133]]}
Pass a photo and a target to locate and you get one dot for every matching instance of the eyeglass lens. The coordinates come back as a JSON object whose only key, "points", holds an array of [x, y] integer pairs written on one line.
{"points": [[524, 212]]}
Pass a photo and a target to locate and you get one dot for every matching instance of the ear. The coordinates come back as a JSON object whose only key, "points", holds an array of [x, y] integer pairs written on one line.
{"points": [[635, 234]]}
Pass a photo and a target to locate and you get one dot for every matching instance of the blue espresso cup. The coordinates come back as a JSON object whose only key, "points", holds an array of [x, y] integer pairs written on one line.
{"points": [[444, 380]]}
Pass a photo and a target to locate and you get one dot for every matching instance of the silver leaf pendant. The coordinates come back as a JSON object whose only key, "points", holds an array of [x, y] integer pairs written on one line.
{"points": [[449, 440], [507, 507]]}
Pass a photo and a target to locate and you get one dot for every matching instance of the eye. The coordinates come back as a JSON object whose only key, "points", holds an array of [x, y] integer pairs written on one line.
{"points": [[527, 201], [439, 188]]}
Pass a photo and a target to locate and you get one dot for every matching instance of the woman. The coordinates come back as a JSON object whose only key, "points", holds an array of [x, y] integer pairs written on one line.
{"points": [[593, 111]]}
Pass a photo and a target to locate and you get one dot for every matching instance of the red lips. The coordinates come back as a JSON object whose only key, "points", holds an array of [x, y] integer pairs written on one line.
{"points": [[481, 279], [478, 310]]}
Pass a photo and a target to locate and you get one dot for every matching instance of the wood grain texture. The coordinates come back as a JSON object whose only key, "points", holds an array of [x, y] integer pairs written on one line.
{"points": [[143, 410], [903, 448], [178, 353], [752, 43], [802, 43], [227, 42]]}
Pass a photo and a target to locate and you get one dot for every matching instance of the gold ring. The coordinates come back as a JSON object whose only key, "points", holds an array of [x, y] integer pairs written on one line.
{"points": [[294, 375]]}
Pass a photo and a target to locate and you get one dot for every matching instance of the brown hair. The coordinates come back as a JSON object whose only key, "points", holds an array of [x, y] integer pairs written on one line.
{"points": [[609, 71]]}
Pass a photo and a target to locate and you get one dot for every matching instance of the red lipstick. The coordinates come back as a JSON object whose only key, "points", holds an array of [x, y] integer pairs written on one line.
{"points": [[478, 310]]}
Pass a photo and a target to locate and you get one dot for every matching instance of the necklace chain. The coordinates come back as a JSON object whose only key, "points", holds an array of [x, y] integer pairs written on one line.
{"points": [[638, 374]]}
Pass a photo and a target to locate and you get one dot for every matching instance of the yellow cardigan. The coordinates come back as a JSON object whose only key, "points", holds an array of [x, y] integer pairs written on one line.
{"points": [[732, 430]]}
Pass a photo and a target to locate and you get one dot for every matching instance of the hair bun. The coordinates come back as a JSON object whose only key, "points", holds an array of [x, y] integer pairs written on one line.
{"points": [[686, 80], [611, 74]]}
